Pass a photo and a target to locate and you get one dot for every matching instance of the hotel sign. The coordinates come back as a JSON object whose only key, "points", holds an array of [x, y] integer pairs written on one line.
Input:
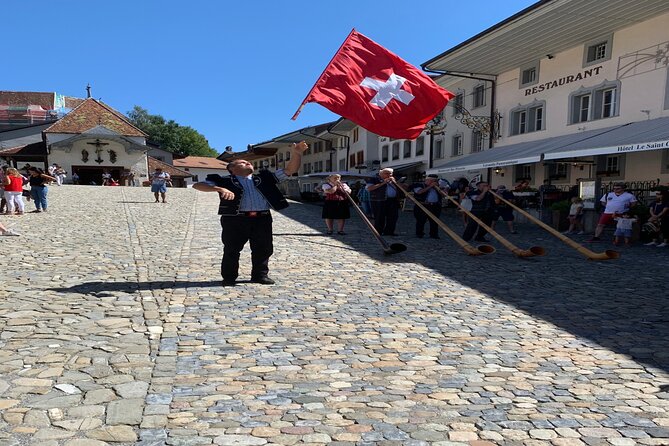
{"points": [[563, 80], [625, 148]]}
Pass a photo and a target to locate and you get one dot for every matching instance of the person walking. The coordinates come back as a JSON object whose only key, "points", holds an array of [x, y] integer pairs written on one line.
{"points": [[336, 204], [245, 202], [38, 181], [159, 180]]}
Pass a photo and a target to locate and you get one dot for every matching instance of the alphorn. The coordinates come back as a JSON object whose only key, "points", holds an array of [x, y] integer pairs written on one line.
{"points": [[591, 255], [481, 249], [533, 251], [387, 249]]}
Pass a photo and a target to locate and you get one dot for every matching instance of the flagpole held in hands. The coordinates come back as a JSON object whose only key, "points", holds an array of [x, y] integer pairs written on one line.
{"points": [[304, 102]]}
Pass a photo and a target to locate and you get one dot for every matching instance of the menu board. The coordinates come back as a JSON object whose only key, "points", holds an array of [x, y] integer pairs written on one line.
{"points": [[587, 190]]}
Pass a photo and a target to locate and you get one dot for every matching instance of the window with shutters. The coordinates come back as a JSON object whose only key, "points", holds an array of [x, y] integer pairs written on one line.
{"points": [[598, 102]]}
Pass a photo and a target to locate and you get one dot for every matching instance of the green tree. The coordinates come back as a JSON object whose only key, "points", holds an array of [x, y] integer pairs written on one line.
{"points": [[171, 136]]}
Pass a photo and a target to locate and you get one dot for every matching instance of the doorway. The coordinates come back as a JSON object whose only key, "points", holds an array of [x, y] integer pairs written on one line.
{"points": [[92, 175]]}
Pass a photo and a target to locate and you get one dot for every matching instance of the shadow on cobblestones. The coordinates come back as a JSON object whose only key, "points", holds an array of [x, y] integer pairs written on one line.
{"points": [[102, 289], [622, 305]]}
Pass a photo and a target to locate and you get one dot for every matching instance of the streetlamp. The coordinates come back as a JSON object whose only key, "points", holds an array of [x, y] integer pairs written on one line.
{"points": [[435, 126]]}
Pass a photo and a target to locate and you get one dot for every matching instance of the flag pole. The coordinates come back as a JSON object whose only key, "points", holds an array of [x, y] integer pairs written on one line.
{"points": [[304, 102]]}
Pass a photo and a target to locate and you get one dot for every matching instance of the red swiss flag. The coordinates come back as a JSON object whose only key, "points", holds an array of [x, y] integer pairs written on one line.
{"points": [[377, 90]]}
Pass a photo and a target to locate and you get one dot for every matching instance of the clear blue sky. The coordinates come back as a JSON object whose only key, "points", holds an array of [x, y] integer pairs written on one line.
{"points": [[236, 71]]}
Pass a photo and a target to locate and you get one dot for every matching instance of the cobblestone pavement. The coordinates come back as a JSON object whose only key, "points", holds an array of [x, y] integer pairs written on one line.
{"points": [[114, 329]]}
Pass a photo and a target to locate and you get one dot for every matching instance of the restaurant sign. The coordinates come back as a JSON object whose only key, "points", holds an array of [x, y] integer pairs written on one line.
{"points": [[564, 80]]}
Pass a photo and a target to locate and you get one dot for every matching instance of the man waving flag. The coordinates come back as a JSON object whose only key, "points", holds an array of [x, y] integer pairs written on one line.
{"points": [[374, 88]]}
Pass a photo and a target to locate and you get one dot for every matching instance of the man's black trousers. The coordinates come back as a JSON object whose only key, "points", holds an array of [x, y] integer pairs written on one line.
{"points": [[421, 218], [386, 213], [238, 230], [473, 227]]}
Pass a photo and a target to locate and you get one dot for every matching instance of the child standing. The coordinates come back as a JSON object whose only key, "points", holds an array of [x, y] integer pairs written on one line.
{"points": [[575, 216], [624, 225]]}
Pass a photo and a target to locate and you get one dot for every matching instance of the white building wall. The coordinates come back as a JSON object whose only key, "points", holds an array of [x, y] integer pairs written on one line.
{"points": [[642, 88], [70, 158]]}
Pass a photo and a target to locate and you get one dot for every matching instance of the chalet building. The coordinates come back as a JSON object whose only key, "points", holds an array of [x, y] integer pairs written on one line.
{"points": [[94, 138], [199, 167], [577, 100], [178, 177]]}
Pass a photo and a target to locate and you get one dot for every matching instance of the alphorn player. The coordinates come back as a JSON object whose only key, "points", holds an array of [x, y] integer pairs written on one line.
{"points": [[384, 197], [483, 206], [427, 193], [245, 213]]}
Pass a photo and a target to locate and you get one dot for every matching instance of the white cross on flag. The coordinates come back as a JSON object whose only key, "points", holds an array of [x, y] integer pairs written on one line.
{"points": [[376, 89]]}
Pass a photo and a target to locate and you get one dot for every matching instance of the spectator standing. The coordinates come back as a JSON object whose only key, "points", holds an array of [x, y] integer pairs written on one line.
{"points": [[3, 201], [59, 173], [659, 216], [159, 180], [38, 187], [615, 202], [575, 216], [13, 192], [624, 224], [364, 200], [75, 178]]}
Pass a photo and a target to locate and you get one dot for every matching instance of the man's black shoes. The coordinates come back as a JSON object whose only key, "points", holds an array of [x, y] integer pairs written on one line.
{"points": [[263, 280], [228, 282]]}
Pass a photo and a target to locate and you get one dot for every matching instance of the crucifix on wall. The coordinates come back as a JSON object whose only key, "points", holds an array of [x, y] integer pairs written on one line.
{"points": [[98, 149]]}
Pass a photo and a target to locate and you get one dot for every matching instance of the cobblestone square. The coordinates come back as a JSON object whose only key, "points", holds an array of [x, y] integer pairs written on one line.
{"points": [[114, 329]]}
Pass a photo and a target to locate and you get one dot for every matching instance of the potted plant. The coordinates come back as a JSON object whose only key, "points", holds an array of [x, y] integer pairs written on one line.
{"points": [[560, 212]]}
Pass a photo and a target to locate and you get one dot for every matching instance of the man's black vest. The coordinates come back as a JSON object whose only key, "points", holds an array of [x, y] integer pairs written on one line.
{"points": [[420, 197], [380, 194], [265, 182]]}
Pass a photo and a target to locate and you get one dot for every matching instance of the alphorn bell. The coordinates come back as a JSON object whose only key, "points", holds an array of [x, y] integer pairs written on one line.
{"points": [[469, 249], [387, 249], [591, 255], [533, 251]]}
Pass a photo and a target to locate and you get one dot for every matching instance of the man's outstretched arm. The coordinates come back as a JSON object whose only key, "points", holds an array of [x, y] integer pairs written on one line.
{"points": [[296, 157], [206, 187]]}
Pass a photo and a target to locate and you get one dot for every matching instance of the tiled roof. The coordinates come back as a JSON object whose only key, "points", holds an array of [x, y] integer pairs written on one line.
{"points": [[200, 162], [25, 98], [34, 149], [173, 171], [71, 102], [91, 113]]}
